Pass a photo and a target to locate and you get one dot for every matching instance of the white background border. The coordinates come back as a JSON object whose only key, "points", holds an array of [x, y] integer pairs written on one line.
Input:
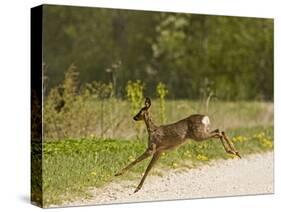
{"points": [[15, 104]]}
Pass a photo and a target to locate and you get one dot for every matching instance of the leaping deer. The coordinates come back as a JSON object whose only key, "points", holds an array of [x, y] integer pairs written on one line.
{"points": [[167, 137]]}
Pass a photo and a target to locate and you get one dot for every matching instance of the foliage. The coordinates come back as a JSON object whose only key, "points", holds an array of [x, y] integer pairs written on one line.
{"points": [[135, 98], [161, 93], [135, 95], [90, 110], [70, 85], [93, 113], [235, 54], [68, 109], [70, 167]]}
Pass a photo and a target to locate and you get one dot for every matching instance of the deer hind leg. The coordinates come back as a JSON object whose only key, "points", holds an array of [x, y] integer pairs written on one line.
{"points": [[227, 144], [148, 152], [230, 144], [155, 157]]}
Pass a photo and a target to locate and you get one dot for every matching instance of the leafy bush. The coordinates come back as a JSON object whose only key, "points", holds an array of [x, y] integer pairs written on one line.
{"points": [[71, 111], [135, 98], [162, 91]]}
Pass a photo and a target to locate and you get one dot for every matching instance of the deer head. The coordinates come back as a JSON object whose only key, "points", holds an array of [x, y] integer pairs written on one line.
{"points": [[140, 115]]}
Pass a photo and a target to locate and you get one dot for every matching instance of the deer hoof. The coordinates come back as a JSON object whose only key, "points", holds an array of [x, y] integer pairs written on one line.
{"points": [[137, 189], [237, 154]]}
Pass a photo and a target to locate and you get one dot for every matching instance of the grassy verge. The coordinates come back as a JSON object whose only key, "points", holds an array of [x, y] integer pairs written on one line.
{"points": [[72, 166]]}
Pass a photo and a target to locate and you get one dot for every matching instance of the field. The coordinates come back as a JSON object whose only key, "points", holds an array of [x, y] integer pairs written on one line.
{"points": [[71, 166], [113, 118]]}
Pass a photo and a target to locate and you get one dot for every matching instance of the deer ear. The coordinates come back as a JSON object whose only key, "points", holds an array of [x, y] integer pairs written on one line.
{"points": [[147, 102]]}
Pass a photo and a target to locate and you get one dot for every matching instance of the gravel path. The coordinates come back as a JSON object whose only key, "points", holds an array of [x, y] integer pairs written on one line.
{"points": [[250, 175]]}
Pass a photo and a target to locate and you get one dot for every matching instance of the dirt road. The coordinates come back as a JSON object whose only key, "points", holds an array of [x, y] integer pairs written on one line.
{"points": [[251, 175]]}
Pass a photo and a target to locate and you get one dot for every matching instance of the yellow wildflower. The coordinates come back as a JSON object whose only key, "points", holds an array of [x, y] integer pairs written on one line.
{"points": [[131, 158], [175, 165], [202, 157], [267, 143]]}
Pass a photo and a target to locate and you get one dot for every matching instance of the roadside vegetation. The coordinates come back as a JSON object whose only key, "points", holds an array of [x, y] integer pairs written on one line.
{"points": [[71, 167], [74, 111], [89, 134]]}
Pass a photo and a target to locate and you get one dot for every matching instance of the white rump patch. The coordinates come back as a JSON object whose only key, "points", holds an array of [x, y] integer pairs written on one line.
{"points": [[206, 120]]}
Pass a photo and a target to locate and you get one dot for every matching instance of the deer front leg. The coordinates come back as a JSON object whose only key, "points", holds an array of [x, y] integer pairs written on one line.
{"points": [[145, 155], [155, 157], [148, 152]]}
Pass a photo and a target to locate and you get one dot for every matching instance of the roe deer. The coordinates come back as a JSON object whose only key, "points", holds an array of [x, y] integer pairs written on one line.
{"points": [[167, 137]]}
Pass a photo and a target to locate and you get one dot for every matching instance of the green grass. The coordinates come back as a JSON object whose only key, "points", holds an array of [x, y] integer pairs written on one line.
{"points": [[70, 167]]}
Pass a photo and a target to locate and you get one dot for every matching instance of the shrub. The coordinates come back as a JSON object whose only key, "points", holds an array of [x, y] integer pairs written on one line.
{"points": [[135, 98], [162, 91]]}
